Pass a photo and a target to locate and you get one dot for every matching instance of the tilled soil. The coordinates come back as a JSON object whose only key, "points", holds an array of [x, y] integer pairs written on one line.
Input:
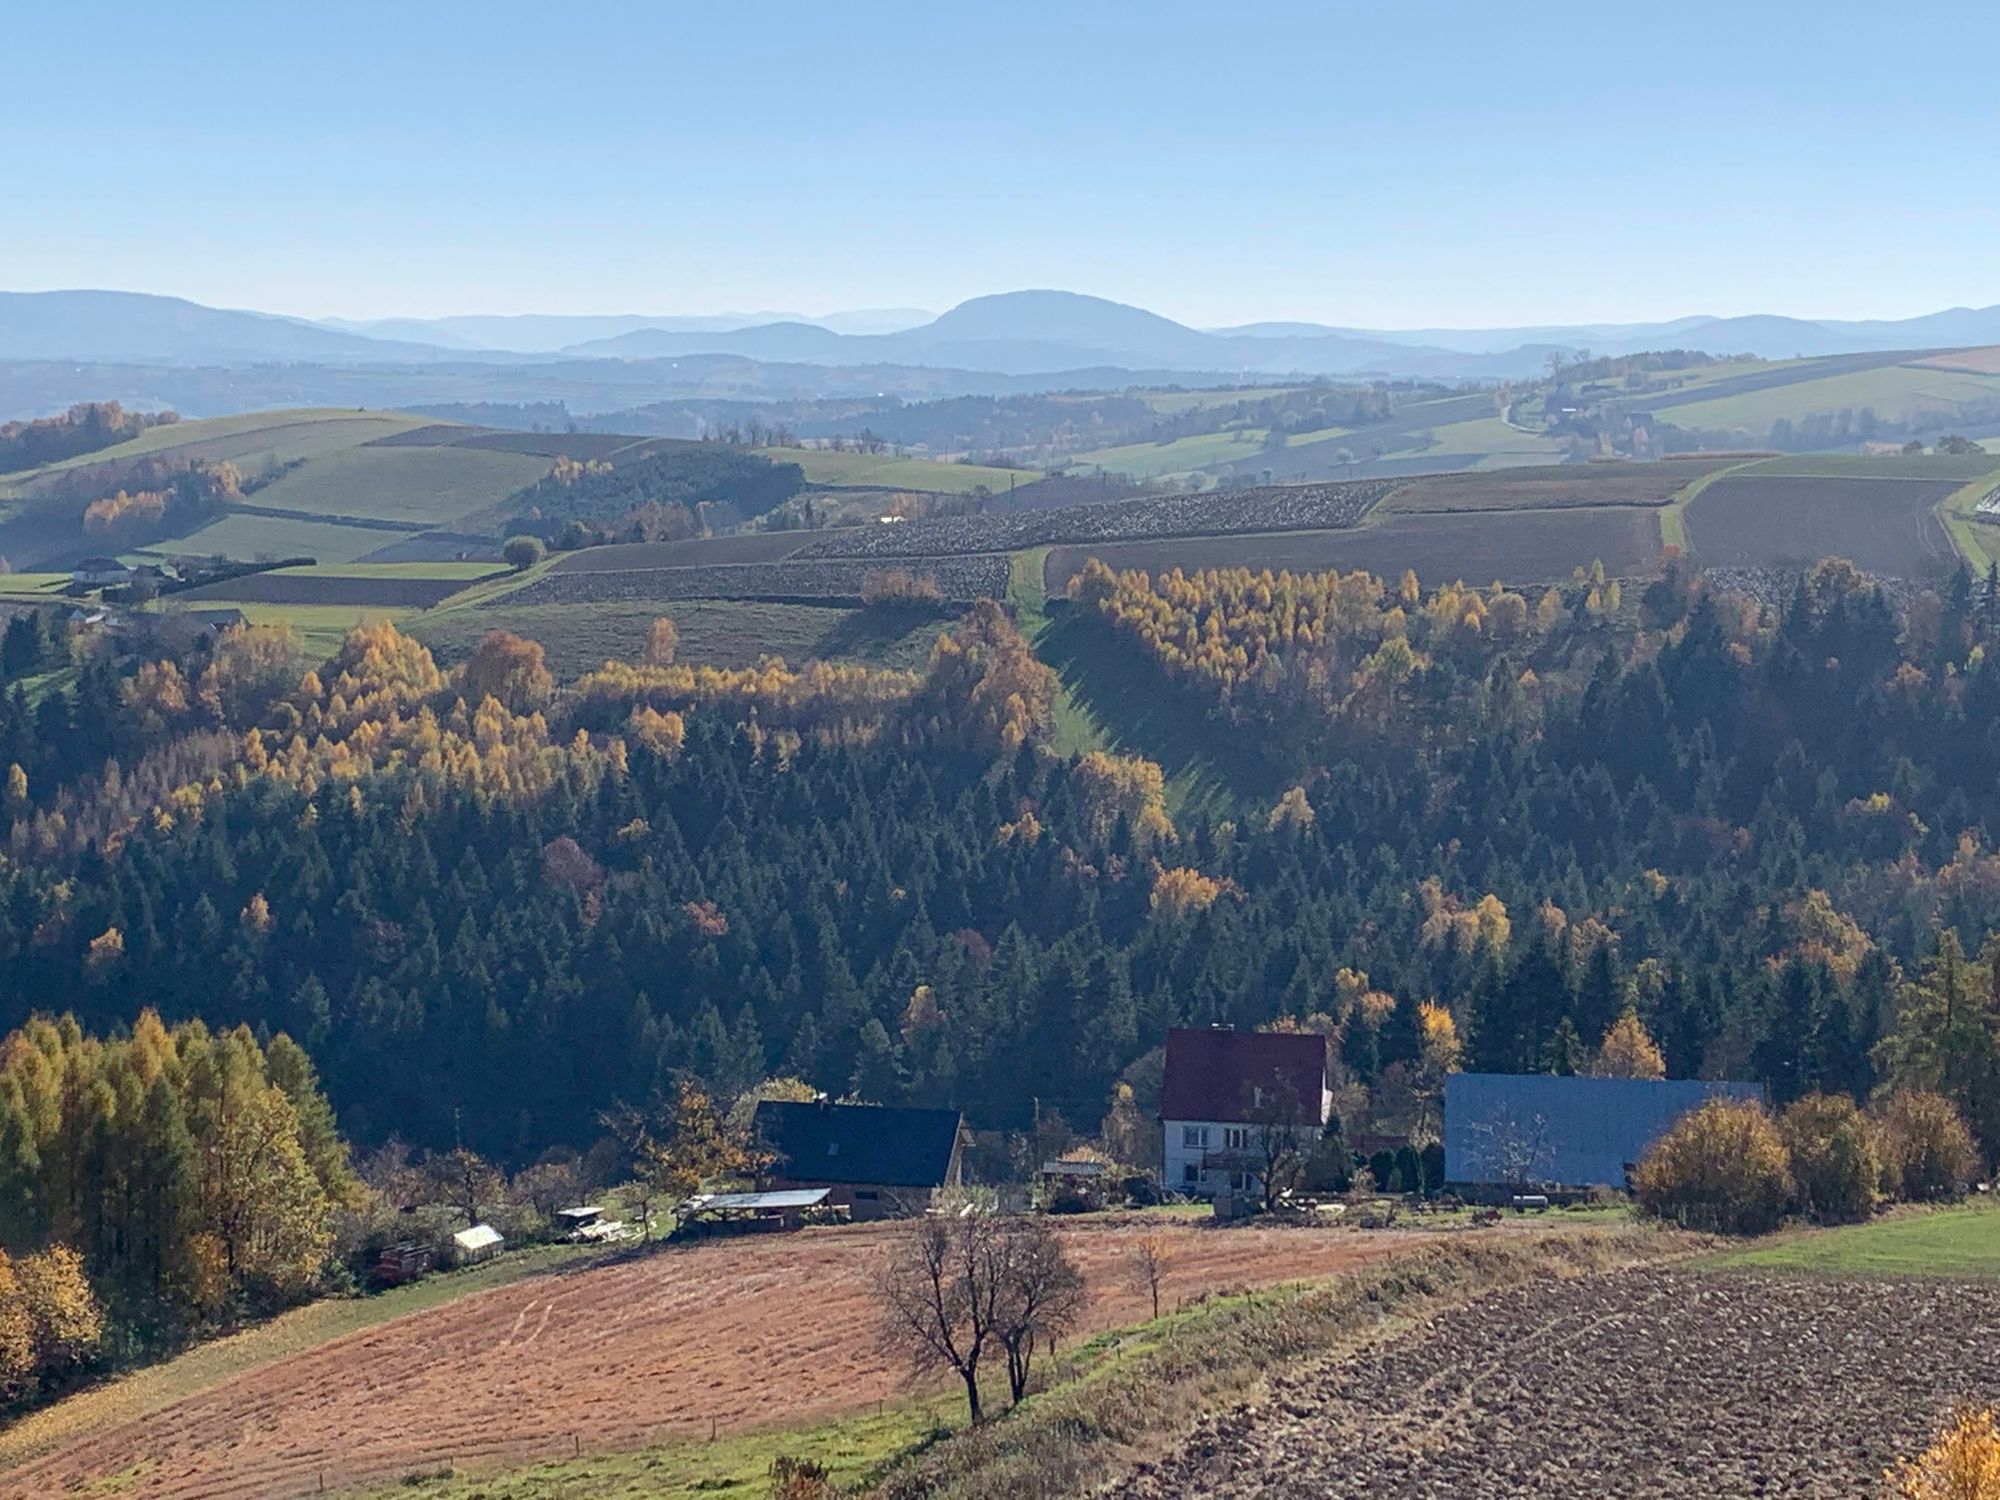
{"points": [[1648, 1383]]}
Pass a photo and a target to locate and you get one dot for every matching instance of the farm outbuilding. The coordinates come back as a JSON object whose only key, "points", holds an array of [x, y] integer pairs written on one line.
{"points": [[1515, 1131], [752, 1212], [476, 1243], [877, 1161]]}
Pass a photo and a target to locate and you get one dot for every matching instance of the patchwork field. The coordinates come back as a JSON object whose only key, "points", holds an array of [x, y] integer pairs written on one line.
{"points": [[1522, 547], [752, 1333], [1654, 1382], [1887, 526]]}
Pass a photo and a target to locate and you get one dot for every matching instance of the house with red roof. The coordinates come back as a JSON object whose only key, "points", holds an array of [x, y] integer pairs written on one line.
{"points": [[1225, 1090]]}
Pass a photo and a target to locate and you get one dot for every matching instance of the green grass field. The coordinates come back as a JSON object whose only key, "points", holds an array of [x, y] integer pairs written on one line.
{"points": [[882, 471], [403, 483], [251, 538], [853, 1448], [1894, 392], [1183, 455], [1938, 1242], [248, 441], [209, 1365], [1501, 446]]}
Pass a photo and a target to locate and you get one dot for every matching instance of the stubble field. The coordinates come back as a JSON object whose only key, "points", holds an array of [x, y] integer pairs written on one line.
{"points": [[742, 1334]]}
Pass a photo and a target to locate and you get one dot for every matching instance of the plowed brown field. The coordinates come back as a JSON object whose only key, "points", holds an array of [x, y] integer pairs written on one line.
{"points": [[740, 1333]]}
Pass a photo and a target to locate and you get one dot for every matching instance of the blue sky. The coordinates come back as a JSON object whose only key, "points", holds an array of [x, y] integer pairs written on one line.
{"points": [[1385, 165]]}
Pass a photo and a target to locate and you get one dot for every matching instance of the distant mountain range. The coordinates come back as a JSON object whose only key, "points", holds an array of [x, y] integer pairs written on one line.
{"points": [[1015, 334]]}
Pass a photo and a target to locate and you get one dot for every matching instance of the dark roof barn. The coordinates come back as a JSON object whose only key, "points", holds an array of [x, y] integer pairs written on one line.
{"points": [[874, 1145]]}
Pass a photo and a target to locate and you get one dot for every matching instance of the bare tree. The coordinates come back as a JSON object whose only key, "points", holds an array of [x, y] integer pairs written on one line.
{"points": [[466, 1180], [1042, 1295], [1148, 1267], [941, 1296], [958, 1286], [1513, 1148], [1279, 1140]]}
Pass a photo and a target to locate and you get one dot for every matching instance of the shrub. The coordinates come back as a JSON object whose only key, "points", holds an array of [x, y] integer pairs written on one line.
{"points": [[1925, 1147], [899, 588], [1963, 1464], [1721, 1168], [1834, 1162], [800, 1479], [523, 552]]}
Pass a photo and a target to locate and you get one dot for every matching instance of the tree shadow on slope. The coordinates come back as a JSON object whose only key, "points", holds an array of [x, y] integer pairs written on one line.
{"points": [[1212, 770]]}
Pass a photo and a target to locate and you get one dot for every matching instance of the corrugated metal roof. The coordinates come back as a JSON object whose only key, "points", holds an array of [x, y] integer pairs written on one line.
{"points": [[478, 1237], [871, 1144], [1214, 1073], [786, 1198], [1576, 1132]]}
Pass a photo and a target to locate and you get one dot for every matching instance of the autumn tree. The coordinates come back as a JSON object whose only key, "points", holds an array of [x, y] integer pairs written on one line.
{"points": [[467, 1181], [523, 552], [663, 641], [510, 670], [984, 686], [1628, 1051], [1962, 1464], [1834, 1161], [1722, 1168], [1926, 1150]]}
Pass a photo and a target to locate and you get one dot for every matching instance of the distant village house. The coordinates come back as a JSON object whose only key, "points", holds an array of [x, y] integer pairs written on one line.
{"points": [[1226, 1092]]}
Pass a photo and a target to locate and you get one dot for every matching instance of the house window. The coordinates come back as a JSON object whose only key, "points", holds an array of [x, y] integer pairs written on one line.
{"points": [[1194, 1137], [1242, 1182], [865, 1195], [1235, 1137], [1190, 1172]]}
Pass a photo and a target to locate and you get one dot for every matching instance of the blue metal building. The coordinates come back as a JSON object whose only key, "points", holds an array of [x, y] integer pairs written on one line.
{"points": [[1518, 1129]]}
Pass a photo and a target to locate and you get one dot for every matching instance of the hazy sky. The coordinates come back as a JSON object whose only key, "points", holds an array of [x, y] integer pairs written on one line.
{"points": [[1392, 164]]}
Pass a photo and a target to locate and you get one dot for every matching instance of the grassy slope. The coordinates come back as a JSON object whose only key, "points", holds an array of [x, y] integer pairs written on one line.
{"points": [[245, 440], [1109, 698], [1151, 460], [1895, 392], [1976, 538], [249, 538], [1940, 1242], [433, 485], [209, 1365], [887, 472]]}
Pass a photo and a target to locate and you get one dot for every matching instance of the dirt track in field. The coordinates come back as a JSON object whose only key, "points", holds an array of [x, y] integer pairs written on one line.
{"points": [[743, 1333], [1649, 1383]]}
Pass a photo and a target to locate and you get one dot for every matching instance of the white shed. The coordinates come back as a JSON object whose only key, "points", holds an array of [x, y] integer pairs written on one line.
{"points": [[476, 1243]]}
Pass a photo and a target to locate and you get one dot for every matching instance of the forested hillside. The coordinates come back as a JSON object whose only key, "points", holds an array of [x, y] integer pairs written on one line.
{"points": [[489, 907]]}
